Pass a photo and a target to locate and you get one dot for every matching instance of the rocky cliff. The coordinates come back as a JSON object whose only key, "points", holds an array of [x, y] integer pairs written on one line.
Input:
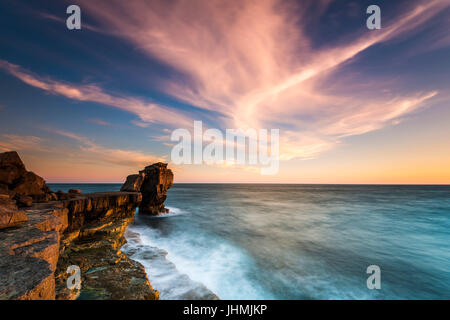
{"points": [[41, 238], [153, 182]]}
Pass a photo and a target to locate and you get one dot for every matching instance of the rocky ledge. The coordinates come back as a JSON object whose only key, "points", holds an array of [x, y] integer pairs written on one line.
{"points": [[42, 233]]}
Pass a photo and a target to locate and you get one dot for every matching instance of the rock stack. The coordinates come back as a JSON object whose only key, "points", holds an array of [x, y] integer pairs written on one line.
{"points": [[153, 182]]}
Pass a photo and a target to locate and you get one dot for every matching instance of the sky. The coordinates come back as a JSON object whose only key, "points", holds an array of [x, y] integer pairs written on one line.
{"points": [[352, 105]]}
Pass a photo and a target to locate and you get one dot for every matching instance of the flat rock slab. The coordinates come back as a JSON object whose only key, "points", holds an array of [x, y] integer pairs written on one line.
{"points": [[11, 217], [25, 278], [29, 254]]}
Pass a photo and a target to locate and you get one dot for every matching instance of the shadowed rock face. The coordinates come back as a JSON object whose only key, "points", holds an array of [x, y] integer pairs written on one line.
{"points": [[153, 182], [11, 167], [99, 207]]}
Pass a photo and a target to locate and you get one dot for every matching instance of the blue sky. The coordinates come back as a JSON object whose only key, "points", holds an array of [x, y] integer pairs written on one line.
{"points": [[99, 103]]}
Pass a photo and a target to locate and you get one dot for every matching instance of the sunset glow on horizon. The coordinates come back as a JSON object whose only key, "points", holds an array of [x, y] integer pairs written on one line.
{"points": [[353, 106]]}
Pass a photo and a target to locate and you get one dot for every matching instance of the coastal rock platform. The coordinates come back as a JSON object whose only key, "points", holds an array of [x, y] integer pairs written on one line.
{"points": [[43, 233], [86, 231]]}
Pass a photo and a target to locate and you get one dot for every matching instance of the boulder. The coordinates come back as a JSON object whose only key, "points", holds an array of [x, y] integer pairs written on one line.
{"points": [[11, 167], [29, 184], [11, 217], [75, 191], [17, 182], [62, 195], [45, 197], [24, 201]]}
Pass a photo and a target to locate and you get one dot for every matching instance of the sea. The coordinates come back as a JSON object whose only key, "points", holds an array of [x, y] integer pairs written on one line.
{"points": [[285, 241]]}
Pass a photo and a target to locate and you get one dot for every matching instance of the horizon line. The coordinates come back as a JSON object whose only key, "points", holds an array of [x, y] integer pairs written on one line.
{"points": [[279, 183]]}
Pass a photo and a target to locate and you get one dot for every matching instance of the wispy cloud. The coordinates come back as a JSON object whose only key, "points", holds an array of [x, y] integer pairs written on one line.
{"points": [[80, 149], [49, 16], [253, 62], [147, 112], [100, 122], [97, 153], [11, 142]]}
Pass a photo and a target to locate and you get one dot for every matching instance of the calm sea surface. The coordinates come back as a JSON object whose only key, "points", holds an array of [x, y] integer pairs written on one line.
{"points": [[244, 241]]}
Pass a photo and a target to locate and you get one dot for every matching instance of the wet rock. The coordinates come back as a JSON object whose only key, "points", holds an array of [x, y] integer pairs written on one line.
{"points": [[75, 191], [164, 274]]}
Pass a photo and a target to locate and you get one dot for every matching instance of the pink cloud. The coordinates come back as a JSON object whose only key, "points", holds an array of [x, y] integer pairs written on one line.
{"points": [[147, 112], [78, 160], [253, 62], [84, 149], [100, 122], [11, 142]]}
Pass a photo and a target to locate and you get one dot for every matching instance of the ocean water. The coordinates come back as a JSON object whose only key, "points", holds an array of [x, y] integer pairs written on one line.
{"points": [[260, 241]]}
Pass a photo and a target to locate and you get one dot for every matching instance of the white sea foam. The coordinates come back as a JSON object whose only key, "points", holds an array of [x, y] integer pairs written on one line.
{"points": [[172, 212], [185, 264], [162, 273]]}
